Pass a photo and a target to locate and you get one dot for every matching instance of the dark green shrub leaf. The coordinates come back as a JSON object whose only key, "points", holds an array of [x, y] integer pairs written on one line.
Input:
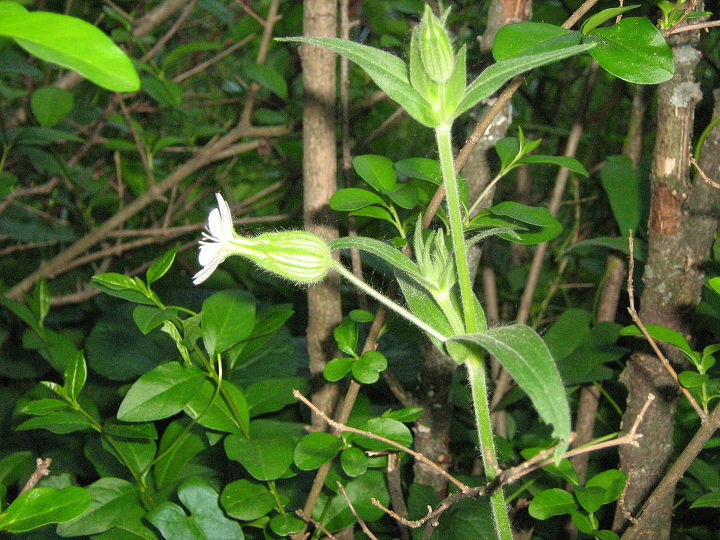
{"points": [[568, 333], [346, 335], [374, 212], [709, 500], [661, 333], [421, 168], [160, 393], [75, 375], [66, 40], [590, 498], [618, 244], [692, 379], [264, 459], [564, 469], [268, 78], [620, 181], [552, 502], [605, 15], [227, 318], [353, 461], [583, 522], [272, 394], [561, 161], [361, 316], [406, 196], [377, 171], [128, 430], [244, 500], [41, 506], [611, 481], [50, 105], [228, 412], [166, 93], [385, 427], [286, 524], [314, 449], [524, 38], [633, 50], [147, 318], [122, 286], [60, 422], [337, 368], [348, 199], [178, 446], [112, 500], [368, 367]]}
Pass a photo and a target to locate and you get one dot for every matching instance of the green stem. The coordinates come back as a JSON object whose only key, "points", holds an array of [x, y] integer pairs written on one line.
{"points": [[457, 233], [397, 308], [478, 386]]}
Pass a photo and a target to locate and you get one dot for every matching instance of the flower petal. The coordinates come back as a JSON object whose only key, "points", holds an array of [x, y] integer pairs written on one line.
{"points": [[226, 222]]}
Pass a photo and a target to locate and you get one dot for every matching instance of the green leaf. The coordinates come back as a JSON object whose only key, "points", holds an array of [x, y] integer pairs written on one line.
{"points": [[41, 407], [612, 483], [368, 367], [523, 38], [354, 461], [385, 69], [75, 375], [112, 499], [386, 252], [40, 506], [583, 522], [605, 15], [530, 224], [406, 196], [166, 93], [50, 104], [336, 515], [348, 199], [552, 502], [346, 335], [337, 368], [60, 422], [709, 500], [421, 168], [17, 465], [633, 50], [75, 44], [564, 469], [525, 356], [245, 500], [160, 266], [231, 416], [268, 78], [498, 74], [374, 212], [206, 522], [568, 333], [377, 171], [122, 286], [615, 243], [227, 318], [620, 182], [692, 379], [264, 459], [147, 318], [135, 454], [130, 430], [605, 535], [160, 393], [385, 427], [272, 394], [314, 449], [661, 333], [590, 498], [362, 316], [286, 524], [561, 161], [178, 446]]}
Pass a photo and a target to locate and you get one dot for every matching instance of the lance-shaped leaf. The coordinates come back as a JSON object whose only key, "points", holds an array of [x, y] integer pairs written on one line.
{"points": [[498, 74], [388, 71], [523, 353], [380, 249]]}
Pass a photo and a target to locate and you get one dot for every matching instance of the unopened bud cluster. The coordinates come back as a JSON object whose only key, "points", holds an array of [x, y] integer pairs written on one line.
{"points": [[435, 50]]}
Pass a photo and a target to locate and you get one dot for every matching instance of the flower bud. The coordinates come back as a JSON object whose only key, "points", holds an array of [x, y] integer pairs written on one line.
{"points": [[435, 49], [299, 256]]}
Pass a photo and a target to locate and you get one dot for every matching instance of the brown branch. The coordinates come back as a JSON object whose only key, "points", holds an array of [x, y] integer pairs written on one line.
{"points": [[315, 523], [360, 521], [394, 481], [157, 16], [696, 26], [171, 32], [348, 429], [214, 60], [653, 344], [42, 469], [702, 174]]}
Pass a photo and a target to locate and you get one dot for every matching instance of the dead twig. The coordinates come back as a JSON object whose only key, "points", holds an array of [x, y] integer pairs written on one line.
{"points": [[360, 521], [42, 469]]}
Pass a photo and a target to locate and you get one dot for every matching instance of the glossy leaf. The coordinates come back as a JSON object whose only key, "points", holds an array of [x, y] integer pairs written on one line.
{"points": [[75, 44], [605, 15], [354, 462], [337, 368], [377, 171], [245, 500], [614, 243], [336, 515], [385, 427], [692, 379], [314, 449], [709, 500], [41, 505], [530, 224], [272, 394], [612, 482], [268, 78], [523, 353], [421, 168], [60, 422], [661, 333], [590, 498], [177, 447], [228, 412], [523, 38], [160, 266], [160, 393], [286, 524], [75, 375], [147, 318], [368, 367], [112, 500], [227, 318], [346, 335], [264, 459], [552, 502], [561, 161], [633, 50]]}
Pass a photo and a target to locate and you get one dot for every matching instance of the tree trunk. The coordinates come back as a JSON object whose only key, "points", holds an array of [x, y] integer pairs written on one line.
{"points": [[682, 226], [319, 183]]}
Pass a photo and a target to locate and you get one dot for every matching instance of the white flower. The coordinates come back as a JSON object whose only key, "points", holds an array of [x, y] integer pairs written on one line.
{"points": [[295, 255]]}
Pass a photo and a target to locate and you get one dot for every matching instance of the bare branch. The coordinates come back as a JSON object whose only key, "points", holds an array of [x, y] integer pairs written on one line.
{"points": [[42, 469]]}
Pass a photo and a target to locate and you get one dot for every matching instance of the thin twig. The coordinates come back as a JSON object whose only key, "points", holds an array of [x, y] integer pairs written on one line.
{"points": [[360, 521], [42, 469], [348, 429], [702, 174], [653, 344], [696, 26], [315, 523]]}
